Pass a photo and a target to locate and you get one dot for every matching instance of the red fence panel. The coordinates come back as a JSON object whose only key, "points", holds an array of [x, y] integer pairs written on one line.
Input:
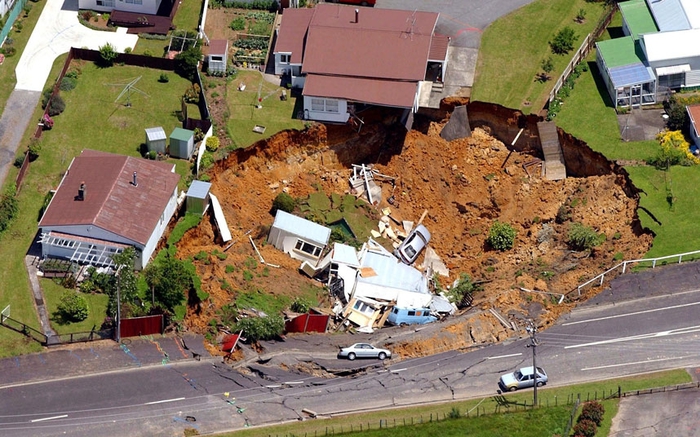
{"points": [[308, 323], [141, 326]]}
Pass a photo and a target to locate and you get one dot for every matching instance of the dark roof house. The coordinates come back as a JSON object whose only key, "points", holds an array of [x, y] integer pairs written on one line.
{"points": [[345, 58], [105, 203]]}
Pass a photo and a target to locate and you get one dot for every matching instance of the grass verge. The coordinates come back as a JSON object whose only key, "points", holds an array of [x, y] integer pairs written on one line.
{"points": [[97, 309]]}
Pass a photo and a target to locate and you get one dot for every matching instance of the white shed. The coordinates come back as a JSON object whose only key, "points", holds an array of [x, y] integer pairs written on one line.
{"points": [[217, 59], [299, 238], [155, 139]]}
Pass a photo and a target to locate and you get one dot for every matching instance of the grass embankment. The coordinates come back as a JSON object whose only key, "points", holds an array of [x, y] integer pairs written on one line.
{"points": [[513, 48], [510, 418]]}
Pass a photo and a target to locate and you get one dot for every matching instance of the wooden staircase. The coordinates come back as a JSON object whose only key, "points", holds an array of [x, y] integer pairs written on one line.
{"points": [[554, 168]]}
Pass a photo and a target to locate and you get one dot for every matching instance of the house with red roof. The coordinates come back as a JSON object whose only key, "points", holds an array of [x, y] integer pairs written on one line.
{"points": [[106, 203], [347, 58], [694, 116]]}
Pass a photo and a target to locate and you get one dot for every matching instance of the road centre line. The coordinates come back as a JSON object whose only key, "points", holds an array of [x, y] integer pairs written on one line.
{"points": [[631, 364], [504, 356], [49, 418], [164, 401], [636, 313], [679, 331]]}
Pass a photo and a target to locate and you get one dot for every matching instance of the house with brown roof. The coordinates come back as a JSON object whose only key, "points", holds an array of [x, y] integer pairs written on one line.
{"points": [[348, 58], [106, 203]]}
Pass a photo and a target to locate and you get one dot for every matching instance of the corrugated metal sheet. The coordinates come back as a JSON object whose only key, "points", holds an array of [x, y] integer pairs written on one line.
{"points": [[155, 134], [199, 189], [692, 78], [374, 91], [669, 15], [390, 272], [308, 230], [664, 46]]}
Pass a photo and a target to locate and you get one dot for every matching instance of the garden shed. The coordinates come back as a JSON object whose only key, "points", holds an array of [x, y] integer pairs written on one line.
{"points": [[198, 197], [299, 238], [155, 139], [181, 143], [217, 59]]}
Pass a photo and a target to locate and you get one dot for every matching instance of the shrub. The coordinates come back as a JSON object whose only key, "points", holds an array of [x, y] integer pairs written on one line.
{"points": [[501, 236], [107, 55], [68, 83], [187, 62], [283, 201], [73, 307], [57, 105], [585, 428], [9, 207], [592, 411], [8, 51], [582, 237], [19, 161], [300, 305], [563, 41], [261, 328], [34, 149], [674, 150], [163, 78], [461, 292], [47, 121], [207, 161], [212, 144], [238, 23]]}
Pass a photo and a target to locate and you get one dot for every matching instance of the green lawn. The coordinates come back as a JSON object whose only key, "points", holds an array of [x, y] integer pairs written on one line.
{"points": [[151, 47], [187, 15], [513, 47], [516, 420], [275, 114], [97, 309]]}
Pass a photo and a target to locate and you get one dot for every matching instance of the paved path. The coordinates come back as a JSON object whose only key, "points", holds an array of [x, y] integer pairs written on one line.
{"points": [[56, 31]]}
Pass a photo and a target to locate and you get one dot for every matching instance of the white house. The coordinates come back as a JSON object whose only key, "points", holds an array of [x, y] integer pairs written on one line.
{"points": [[136, 6], [347, 58], [108, 202], [299, 238]]}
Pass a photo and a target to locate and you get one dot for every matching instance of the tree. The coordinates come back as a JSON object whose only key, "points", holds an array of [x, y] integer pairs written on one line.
{"points": [[581, 16], [73, 307], [563, 41], [187, 62], [107, 55], [547, 67], [461, 292], [677, 115], [501, 236], [126, 280], [169, 279]]}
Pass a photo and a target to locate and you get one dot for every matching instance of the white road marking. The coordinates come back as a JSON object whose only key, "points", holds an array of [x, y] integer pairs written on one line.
{"points": [[680, 331], [636, 313], [631, 364], [50, 418], [164, 401], [504, 356]]}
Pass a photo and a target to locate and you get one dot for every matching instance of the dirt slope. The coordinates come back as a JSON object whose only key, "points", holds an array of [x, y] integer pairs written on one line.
{"points": [[465, 185]]}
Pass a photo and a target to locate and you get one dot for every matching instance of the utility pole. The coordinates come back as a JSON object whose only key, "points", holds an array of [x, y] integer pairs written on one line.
{"points": [[119, 306], [532, 330]]}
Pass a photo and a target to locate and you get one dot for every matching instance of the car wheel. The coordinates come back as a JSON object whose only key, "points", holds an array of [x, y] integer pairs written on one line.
{"points": [[403, 324], [351, 356], [512, 388], [540, 384], [382, 356]]}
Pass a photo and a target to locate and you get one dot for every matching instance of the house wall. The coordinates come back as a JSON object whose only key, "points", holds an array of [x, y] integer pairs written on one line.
{"points": [[339, 116], [403, 298], [602, 68], [157, 146], [138, 6], [216, 63], [287, 242], [159, 229], [281, 67]]}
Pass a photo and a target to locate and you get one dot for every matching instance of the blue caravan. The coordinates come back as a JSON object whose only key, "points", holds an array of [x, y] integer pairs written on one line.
{"points": [[410, 316]]}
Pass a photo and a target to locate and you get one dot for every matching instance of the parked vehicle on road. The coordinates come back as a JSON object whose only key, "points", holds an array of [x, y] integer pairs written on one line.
{"points": [[522, 378], [413, 245], [363, 350]]}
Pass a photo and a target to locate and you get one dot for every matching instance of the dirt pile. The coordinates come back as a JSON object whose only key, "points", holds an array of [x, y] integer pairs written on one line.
{"points": [[465, 186]]}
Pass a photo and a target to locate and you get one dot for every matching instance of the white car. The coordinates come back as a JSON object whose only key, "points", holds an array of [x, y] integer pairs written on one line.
{"points": [[363, 350], [522, 378]]}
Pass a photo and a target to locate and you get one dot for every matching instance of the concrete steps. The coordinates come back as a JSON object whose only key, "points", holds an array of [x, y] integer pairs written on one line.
{"points": [[554, 168]]}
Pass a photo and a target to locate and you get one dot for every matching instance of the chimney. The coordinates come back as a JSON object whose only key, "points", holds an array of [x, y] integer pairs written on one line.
{"points": [[82, 191], [134, 182], [357, 15]]}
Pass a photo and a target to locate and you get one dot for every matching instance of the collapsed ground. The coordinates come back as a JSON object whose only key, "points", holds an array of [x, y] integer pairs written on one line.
{"points": [[464, 185]]}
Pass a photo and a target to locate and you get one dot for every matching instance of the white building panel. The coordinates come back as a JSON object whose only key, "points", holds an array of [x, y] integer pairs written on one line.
{"points": [[665, 46]]}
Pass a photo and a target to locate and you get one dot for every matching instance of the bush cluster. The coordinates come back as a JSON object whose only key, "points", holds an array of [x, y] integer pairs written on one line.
{"points": [[285, 202], [261, 328], [582, 237], [501, 236], [73, 307], [589, 420], [9, 207]]}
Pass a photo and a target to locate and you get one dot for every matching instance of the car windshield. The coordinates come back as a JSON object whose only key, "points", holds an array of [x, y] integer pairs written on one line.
{"points": [[410, 251], [517, 374]]}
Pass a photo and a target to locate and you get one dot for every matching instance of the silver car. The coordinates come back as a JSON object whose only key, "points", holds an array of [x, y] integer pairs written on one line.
{"points": [[522, 378], [363, 350], [413, 245]]}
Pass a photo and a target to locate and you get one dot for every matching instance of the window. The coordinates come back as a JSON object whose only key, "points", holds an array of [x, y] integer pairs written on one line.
{"points": [[106, 3], [411, 313], [308, 248], [324, 105], [363, 308], [284, 59]]}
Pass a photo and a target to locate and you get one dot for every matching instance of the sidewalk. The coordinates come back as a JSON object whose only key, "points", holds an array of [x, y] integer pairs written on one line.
{"points": [[101, 356]]}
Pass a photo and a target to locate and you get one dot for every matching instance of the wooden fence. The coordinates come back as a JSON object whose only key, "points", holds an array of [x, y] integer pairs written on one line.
{"points": [[136, 326]]}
